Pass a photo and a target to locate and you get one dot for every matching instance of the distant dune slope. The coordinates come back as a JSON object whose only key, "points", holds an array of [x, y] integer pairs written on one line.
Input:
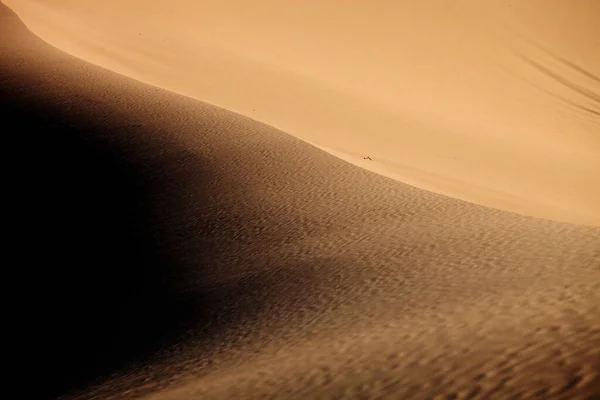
{"points": [[495, 102], [169, 249]]}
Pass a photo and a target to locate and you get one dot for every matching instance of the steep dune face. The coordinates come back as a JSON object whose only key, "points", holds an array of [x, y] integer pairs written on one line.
{"points": [[176, 250], [494, 102]]}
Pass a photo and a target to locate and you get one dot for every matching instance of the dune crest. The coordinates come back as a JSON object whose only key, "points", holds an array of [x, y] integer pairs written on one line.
{"points": [[171, 249], [492, 102]]}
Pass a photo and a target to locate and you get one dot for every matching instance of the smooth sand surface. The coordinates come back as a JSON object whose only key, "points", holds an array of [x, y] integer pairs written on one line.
{"points": [[493, 102], [177, 250]]}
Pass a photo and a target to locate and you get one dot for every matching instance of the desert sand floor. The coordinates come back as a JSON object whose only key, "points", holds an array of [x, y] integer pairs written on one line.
{"points": [[176, 250]]}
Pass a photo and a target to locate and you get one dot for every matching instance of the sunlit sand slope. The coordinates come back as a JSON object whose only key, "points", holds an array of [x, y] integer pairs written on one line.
{"points": [[494, 102], [176, 250]]}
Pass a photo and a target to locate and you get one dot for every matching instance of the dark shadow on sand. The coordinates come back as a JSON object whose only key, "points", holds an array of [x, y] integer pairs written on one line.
{"points": [[97, 284], [121, 225], [94, 288]]}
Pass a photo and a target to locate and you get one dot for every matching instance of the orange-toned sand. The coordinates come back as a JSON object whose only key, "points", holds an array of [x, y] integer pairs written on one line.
{"points": [[274, 269], [493, 102]]}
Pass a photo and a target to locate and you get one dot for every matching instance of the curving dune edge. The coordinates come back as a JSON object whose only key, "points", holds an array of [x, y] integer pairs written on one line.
{"points": [[174, 249], [494, 103]]}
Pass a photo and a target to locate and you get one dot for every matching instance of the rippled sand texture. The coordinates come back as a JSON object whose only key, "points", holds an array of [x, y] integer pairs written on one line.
{"points": [[494, 102], [199, 254]]}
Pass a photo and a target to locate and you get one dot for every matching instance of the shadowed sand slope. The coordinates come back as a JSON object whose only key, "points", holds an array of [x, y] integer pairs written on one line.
{"points": [[178, 250], [494, 102]]}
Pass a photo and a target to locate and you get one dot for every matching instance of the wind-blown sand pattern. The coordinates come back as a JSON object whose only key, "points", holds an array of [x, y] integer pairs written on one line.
{"points": [[202, 254], [494, 102]]}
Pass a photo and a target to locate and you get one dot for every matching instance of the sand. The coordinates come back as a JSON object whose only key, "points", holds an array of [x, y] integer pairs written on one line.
{"points": [[492, 102], [202, 246]]}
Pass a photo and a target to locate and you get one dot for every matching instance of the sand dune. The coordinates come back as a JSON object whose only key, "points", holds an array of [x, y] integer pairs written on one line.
{"points": [[179, 250], [492, 102]]}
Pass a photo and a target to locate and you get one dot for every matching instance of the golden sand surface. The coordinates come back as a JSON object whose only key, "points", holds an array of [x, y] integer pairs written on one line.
{"points": [[196, 232]]}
